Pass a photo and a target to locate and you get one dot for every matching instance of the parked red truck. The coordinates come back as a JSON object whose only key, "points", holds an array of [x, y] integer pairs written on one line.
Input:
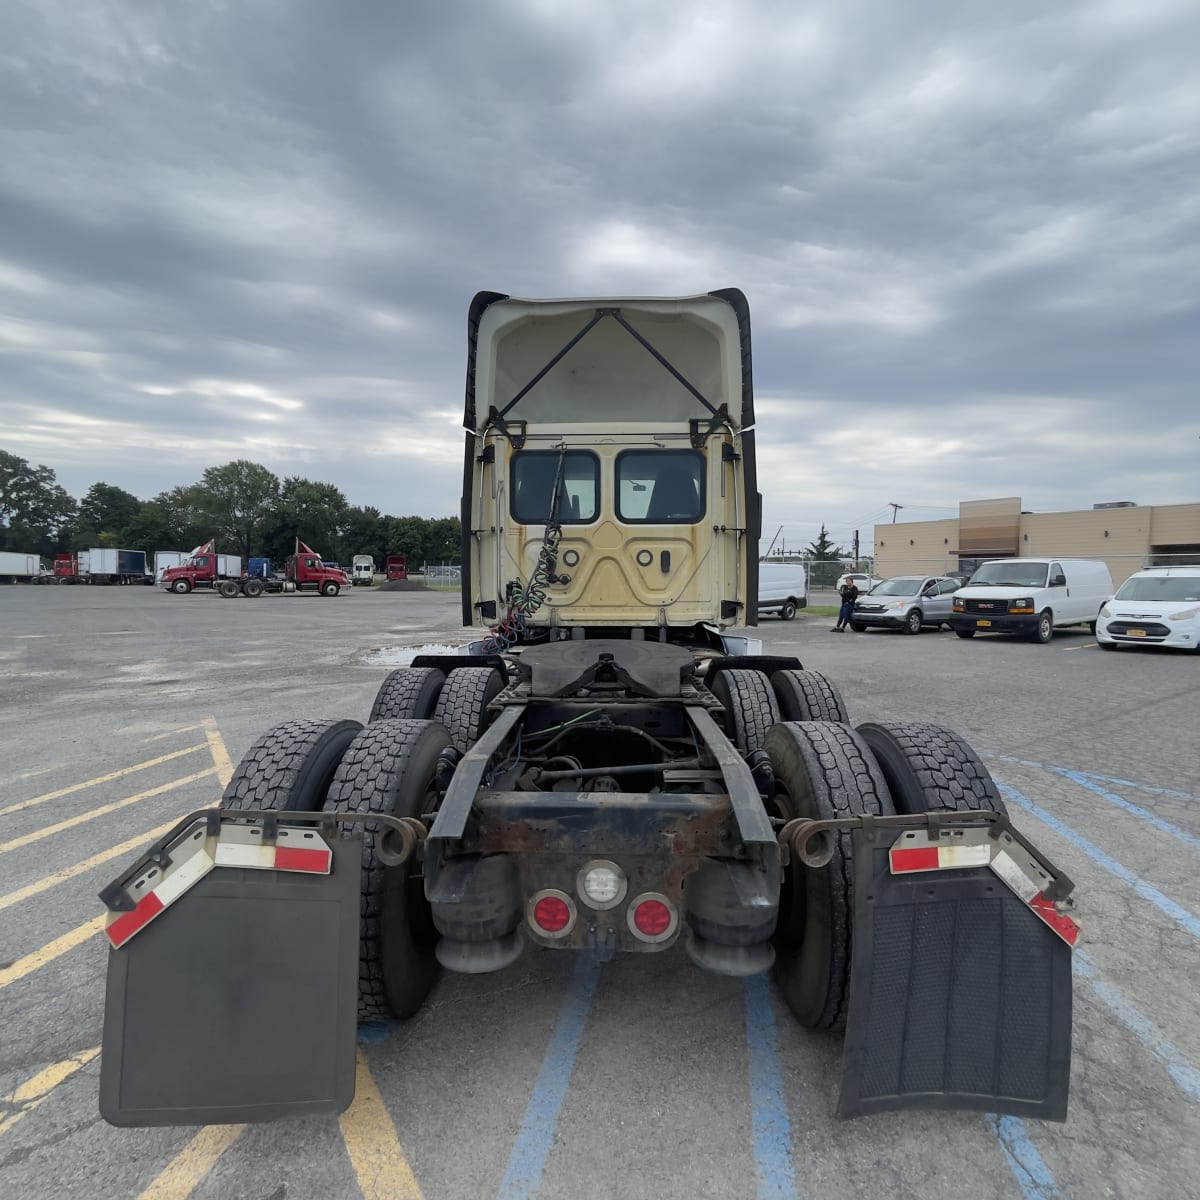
{"points": [[206, 569], [397, 566]]}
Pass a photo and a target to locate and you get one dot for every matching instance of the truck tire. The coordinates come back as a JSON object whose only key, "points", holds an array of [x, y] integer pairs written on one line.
{"points": [[290, 766], [390, 768], [750, 705], [180, 587], [253, 588], [462, 706], [787, 611], [408, 693], [964, 633], [808, 696], [1045, 627], [930, 769], [229, 588], [823, 770], [329, 588]]}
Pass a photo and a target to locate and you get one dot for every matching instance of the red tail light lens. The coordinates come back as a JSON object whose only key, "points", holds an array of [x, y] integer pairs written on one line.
{"points": [[652, 917], [551, 913]]}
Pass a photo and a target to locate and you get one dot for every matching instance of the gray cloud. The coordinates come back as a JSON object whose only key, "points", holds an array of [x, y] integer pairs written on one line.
{"points": [[969, 236]]}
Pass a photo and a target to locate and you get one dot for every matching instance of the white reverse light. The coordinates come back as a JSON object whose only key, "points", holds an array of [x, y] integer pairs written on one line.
{"points": [[602, 884]]}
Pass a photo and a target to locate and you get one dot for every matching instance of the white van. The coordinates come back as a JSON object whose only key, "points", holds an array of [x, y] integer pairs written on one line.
{"points": [[1031, 596], [782, 588], [1159, 606]]}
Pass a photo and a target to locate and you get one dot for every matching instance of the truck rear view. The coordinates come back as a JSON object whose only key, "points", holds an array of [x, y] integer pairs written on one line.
{"points": [[604, 771]]}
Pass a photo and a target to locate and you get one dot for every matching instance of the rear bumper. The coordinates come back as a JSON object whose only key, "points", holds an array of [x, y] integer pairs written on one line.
{"points": [[996, 623]]}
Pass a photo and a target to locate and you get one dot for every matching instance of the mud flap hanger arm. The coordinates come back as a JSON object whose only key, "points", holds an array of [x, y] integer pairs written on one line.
{"points": [[401, 841], [811, 842]]}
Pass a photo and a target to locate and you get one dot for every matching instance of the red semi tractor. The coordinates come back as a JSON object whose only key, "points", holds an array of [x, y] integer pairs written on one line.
{"points": [[303, 569]]}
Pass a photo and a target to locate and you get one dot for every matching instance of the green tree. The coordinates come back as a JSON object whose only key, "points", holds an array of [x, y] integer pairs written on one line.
{"points": [[824, 560], [109, 510], [34, 508], [238, 499], [312, 511], [363, 532]]}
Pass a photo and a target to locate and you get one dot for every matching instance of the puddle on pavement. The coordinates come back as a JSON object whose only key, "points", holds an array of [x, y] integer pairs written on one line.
{"points": [[401, 656]]}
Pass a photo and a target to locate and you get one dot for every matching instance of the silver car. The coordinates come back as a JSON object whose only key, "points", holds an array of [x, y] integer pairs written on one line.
{"points": [[907, 602]]}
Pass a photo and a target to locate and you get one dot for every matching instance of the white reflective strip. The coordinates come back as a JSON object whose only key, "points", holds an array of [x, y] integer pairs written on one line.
{"points": [[1010, 872], [189, 872], [233, 855], [964, 856]]}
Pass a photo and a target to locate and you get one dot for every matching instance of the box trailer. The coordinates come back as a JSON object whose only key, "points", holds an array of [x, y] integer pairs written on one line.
{"points": [[363, 570], [106, 565], [14, 566]]}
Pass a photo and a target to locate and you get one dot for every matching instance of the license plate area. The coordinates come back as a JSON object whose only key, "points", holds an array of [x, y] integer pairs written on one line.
{"points": [[1135, 633], [983, 624]]}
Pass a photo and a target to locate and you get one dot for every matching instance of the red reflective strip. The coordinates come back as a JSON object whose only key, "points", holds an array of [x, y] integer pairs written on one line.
{"points": [[126, 925], [1064, 926], [289, 859], [924, 859]]}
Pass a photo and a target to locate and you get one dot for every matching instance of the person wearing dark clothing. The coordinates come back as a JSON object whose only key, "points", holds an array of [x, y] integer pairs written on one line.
{"points": [[848, 593]]}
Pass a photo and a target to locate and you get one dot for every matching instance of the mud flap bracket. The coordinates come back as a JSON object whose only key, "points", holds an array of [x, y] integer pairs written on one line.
{"points": [[960, 995]]}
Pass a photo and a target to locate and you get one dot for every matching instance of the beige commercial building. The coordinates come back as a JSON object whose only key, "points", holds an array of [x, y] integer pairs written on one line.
{"points": [[1126, 537]]}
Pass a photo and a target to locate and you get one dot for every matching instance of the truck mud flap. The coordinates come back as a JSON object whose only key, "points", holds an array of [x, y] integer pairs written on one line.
{"points": [[960, 994], [238, 1001]]}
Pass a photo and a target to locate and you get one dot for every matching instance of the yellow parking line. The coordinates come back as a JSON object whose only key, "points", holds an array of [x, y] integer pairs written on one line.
{"points": [[87, 783], [178, 1179], [53, 880], [49, 952], [158, 737], [31, 1093], [375, 1152], [220, 755], [103, 810]]}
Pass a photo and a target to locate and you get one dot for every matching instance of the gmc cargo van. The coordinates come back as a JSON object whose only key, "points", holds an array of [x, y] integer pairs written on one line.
{"points": [[1031, 596], [782, 588]]}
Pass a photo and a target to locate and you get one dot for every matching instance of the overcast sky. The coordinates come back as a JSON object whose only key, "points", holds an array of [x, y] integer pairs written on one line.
{"points": [[969, 233]]}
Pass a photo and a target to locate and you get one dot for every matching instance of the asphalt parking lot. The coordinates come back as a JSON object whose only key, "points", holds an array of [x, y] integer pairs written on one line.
{"points": [[124, 708]]}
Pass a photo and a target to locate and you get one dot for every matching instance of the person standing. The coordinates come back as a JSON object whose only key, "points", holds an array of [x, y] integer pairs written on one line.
{"points": [[848, 593]]}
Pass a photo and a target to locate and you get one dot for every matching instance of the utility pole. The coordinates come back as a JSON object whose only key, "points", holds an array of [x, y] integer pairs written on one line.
{"points": [[894, 508], [856, 549]]}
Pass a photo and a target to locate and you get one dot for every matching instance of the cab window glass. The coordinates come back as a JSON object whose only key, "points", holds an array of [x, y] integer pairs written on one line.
{"points": [[533, 475], [660, 487]]}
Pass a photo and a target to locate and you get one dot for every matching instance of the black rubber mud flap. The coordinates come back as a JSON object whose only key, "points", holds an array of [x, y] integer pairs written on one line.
{"points": [[238, 1002], [960, 997]]}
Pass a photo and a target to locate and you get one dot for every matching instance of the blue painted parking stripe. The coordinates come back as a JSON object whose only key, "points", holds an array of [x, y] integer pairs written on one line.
{"points": [[523, 1176], [1177, 913], [1029, 1170], [1081, 778], [1153, 789], [1140, 1025], [768, 1103], [1145, 787]]}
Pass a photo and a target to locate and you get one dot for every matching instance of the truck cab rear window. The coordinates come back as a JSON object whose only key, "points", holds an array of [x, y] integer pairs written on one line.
{"points": [[533, 475], [660, 487]]}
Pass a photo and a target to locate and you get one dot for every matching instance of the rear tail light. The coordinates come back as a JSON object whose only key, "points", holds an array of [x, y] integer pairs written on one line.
{"points": [[652, 917], [551, 913]]}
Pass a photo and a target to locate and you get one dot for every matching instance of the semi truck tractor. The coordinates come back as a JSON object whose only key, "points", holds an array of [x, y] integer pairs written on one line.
{"points": [[221, 573], [396, 566], [603, 771]]}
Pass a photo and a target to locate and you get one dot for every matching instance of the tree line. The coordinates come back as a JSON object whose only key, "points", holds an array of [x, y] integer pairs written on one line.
{"points": [[246, 508]]}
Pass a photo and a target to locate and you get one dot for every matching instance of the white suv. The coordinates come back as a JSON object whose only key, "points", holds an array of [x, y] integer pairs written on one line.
{"points": [[1159, 606]]}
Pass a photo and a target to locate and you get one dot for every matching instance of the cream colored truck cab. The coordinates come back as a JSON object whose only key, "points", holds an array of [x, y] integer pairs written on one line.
{"points": [[609, 478]]}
